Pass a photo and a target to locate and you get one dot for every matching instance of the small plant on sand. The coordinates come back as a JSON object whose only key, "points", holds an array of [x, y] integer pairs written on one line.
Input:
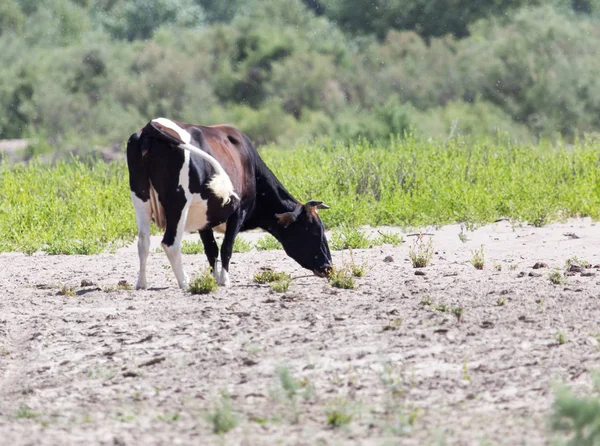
{"points": [[280, 286], [458, 313], [388, 238], [188, 247], [497, 267], [341, 278], [67, 290], [288, 390], [25, 412], [338, 414], [241, 245], [478, 258], [556, 278], [420, 253], [561, 339], [347, 237], [356, 269], [269, 275], [267, 243], [576, 261], [501, 301], [222, 417], [204, 283], [577, 417], [426, 301]]}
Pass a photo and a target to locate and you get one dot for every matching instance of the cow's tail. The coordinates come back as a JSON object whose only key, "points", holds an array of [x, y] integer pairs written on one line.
{"points": [[220, 183]]}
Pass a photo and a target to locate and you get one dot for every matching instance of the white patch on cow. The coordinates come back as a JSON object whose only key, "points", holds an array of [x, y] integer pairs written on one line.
{"points": [[174, 251], [143, 216], [223, 278], [220, 184], [197, 218]]}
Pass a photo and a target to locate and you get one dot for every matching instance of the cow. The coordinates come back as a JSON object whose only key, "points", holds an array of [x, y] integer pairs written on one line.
{"points": [[189, 178]]}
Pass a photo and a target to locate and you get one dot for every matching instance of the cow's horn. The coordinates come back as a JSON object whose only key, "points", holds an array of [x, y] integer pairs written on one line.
{"points": [[317, 204]]}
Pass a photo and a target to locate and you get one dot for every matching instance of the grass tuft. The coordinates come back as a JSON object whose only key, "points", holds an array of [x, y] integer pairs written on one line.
{"points": [[339, 415], [268, 275], [188, 247], [267, 243], [342, 278], [420, 253], [203, 284], [67, 290], [478, 258], [280, 286], [222, 417], [347, 237]]}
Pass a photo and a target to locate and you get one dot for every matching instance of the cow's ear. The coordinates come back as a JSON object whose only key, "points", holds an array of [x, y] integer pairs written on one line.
{"points": [[286, 219], [315, 204]]}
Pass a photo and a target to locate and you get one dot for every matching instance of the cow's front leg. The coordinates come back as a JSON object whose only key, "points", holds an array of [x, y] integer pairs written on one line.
{"points": [[234, 223], [143, 216], [211, 249], [171, 242]]}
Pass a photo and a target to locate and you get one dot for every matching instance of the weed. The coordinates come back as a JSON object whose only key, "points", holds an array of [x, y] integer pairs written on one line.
{"points": [[288, 390], [341, 278], [393, 325], [267, 243], [478, 258], [458, 312], [501, 301], [576, 261], [338, 415], [465, 372], [347, 237], [357, 270], [188, 247], [426, 301], [389, 238], [169, 418], [420, 253], [101, 373], [241, 245], [268, 275], [67, 290], [25, 412], [513, 266], [280, 286], [203, 284], [462, 236], [443, 308], [497, 267], [577, 417], [222, 417], [556, 278], [561, 339]]}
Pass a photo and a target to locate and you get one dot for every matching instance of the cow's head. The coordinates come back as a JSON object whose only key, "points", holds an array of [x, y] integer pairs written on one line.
{"points": [[302, 235]]}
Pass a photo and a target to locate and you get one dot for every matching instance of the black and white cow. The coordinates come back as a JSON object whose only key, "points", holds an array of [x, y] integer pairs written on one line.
{"points": [[189, 178]]}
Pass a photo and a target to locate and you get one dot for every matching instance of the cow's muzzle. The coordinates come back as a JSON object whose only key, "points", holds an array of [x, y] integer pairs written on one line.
{"points": [[323, 271]]}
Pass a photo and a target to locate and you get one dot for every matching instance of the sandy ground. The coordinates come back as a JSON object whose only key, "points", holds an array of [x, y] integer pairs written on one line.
{"points": [[145, 367]]}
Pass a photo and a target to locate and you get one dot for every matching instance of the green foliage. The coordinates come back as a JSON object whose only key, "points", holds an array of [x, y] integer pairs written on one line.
{"points": [[576, 417], [65, 208], [196, 247], [339, 414], [346, 237], [241, 245], [478, 258], [420, 253], [204, 283], [342, 278], [222, 417], [269, 276], [267, 243], [77, 207], [280, 286]]}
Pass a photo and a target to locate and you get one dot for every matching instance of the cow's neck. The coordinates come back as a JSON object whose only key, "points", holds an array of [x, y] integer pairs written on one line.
{"points": [[271, 198]]}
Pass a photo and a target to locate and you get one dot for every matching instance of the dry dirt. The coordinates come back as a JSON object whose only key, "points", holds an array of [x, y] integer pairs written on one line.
{"points": [[145, 367]]}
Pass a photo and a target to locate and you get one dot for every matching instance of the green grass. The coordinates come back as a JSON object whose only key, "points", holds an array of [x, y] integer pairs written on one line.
{"points": [[269, 276], [76, 207], [222, 417], [188, 247], [204, 283], [577, 418], [342, 278], [280, 286], [267, 243], [420, 252]]}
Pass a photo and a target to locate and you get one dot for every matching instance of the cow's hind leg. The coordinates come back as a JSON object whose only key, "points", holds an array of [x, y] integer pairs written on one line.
{"points": [[234, 224], [176, 216], [211, 249], [143, 216]]}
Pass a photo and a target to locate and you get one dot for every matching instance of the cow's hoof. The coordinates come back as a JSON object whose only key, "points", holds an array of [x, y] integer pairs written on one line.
{"points": [[141, 285], [223, 278]]}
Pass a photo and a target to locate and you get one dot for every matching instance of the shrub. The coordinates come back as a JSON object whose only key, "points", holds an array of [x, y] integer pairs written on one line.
{"points": [[204, 283]]}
